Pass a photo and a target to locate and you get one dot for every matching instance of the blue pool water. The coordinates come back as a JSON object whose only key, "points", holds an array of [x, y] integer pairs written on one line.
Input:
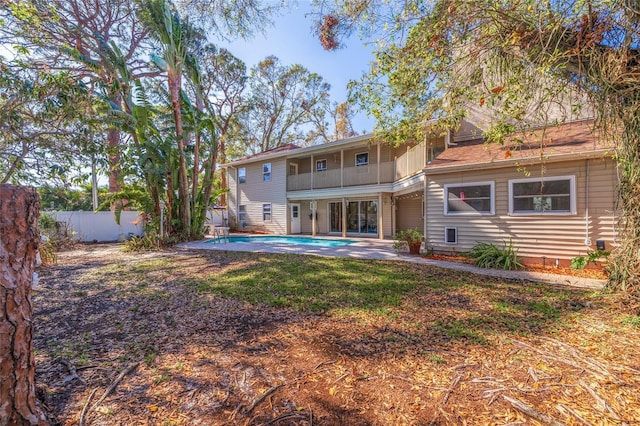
{"points": [[286, 239]]}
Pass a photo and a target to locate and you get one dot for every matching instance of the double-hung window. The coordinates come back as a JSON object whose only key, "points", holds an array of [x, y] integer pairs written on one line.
{"points": [[469, 198], [242, 175], [550, 195], [266, 172], [266, 212], [242, 213], [321, 165]]}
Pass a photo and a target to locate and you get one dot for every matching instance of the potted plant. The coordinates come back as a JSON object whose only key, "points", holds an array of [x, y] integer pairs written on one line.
{"points": [[411, 239]]}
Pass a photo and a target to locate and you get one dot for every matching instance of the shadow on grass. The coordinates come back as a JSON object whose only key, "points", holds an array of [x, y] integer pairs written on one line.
{"points": [[138, 309], [435, 305]]}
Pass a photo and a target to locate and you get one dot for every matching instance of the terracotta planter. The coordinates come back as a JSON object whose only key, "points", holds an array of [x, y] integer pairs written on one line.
{"points": [[414, 247]]}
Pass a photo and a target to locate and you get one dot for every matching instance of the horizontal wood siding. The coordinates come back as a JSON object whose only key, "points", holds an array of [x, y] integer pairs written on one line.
{"points": [[387, 223], [232, 205], [561, 236], [255, 192], [409, 213]]}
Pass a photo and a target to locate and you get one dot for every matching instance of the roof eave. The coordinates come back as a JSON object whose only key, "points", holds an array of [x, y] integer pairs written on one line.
{"points": [[600, 153]]}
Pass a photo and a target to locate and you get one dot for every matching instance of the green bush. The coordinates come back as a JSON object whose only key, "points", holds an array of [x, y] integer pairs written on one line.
{"points": [[404, 239], [578, 262], [489, 255], [148, 242], [48, 252], [581, 262]]}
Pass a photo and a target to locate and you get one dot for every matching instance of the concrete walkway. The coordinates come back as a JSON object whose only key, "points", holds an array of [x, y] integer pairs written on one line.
{"points": [[365, 248]]}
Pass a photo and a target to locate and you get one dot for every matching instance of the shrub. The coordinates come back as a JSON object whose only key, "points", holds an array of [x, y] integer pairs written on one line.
{"points": [[408, 239], [488, 255], [580, 262], [148, 242], [47, 250]]}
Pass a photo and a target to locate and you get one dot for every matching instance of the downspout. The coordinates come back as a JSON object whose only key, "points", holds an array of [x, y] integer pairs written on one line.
{"points": [[587, 238], [424, 207]]}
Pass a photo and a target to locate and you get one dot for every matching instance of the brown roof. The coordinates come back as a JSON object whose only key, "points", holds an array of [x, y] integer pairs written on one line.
{"points": [[571, 138], [282, 148]]}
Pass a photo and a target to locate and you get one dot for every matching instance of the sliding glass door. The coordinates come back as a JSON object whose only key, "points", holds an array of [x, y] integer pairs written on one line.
{"points": [[335, 217], [362, 217]]}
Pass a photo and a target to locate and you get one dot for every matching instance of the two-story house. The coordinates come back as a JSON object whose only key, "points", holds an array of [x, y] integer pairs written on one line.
{"points": [[551, 191]]}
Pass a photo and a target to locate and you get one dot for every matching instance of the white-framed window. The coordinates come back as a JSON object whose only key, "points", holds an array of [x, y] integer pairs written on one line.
{"points": [[266, 212], [266, 172], [321, 165], [242, 175], [451, 235], [362, 159], [293, 169], [469, 198], [242, 213], [549, 195]]}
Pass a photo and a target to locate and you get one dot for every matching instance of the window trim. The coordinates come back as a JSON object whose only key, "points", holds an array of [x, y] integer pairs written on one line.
{"points": [[492, 210], [572, 196], [266, 174], [356, 158], [265, 212], [325, 165], [244, 175]]}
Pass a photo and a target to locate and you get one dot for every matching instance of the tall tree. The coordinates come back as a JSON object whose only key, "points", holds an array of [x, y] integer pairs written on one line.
{"points": [[284, 105], [438, 57], [41, 129], [70, 35], [219, 83], [342, 118], [19, 209], [173, 36]]}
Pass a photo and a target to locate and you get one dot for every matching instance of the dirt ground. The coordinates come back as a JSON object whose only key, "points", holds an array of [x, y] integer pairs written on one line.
{"points": [[120, 341]]}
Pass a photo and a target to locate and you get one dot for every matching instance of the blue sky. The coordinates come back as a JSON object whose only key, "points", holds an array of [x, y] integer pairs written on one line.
{"points": [[292, 41]]}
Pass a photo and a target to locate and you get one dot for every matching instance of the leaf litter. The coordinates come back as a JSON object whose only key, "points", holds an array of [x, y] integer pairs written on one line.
{"points": [[126, 338]]}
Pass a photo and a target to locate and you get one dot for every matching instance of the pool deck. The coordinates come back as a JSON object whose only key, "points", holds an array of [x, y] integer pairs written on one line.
{"points": [[368, 248]]}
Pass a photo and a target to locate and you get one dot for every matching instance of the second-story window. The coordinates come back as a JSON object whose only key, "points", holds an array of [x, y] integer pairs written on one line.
{"points": [[242, 175], [266, 172], [362, 159], [321, 165]]}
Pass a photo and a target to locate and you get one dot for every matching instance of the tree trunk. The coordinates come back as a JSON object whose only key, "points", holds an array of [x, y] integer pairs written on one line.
{"points": [[113, 145], [19, 209]]}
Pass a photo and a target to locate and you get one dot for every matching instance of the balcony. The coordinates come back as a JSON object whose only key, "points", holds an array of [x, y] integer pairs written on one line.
{"points": [[411, 161], [351, 176]]}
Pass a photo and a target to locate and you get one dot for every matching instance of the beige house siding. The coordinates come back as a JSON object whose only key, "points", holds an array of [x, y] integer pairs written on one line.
{"points": [[409, 213], [256, 192], [561, 236], [387, 216]]}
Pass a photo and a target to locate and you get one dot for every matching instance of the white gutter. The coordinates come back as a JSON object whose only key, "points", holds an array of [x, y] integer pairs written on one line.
{"points": [[516, 162]]}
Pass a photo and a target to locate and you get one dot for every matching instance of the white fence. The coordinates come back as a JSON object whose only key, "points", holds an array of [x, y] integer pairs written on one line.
{"points": [[100, 226]]}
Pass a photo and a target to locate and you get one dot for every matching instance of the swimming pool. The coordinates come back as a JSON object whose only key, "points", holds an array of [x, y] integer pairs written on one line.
{"points": [[285, 239]]}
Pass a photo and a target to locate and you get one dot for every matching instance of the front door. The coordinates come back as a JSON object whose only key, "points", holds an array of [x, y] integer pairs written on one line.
{"points": [[295, 218]]}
